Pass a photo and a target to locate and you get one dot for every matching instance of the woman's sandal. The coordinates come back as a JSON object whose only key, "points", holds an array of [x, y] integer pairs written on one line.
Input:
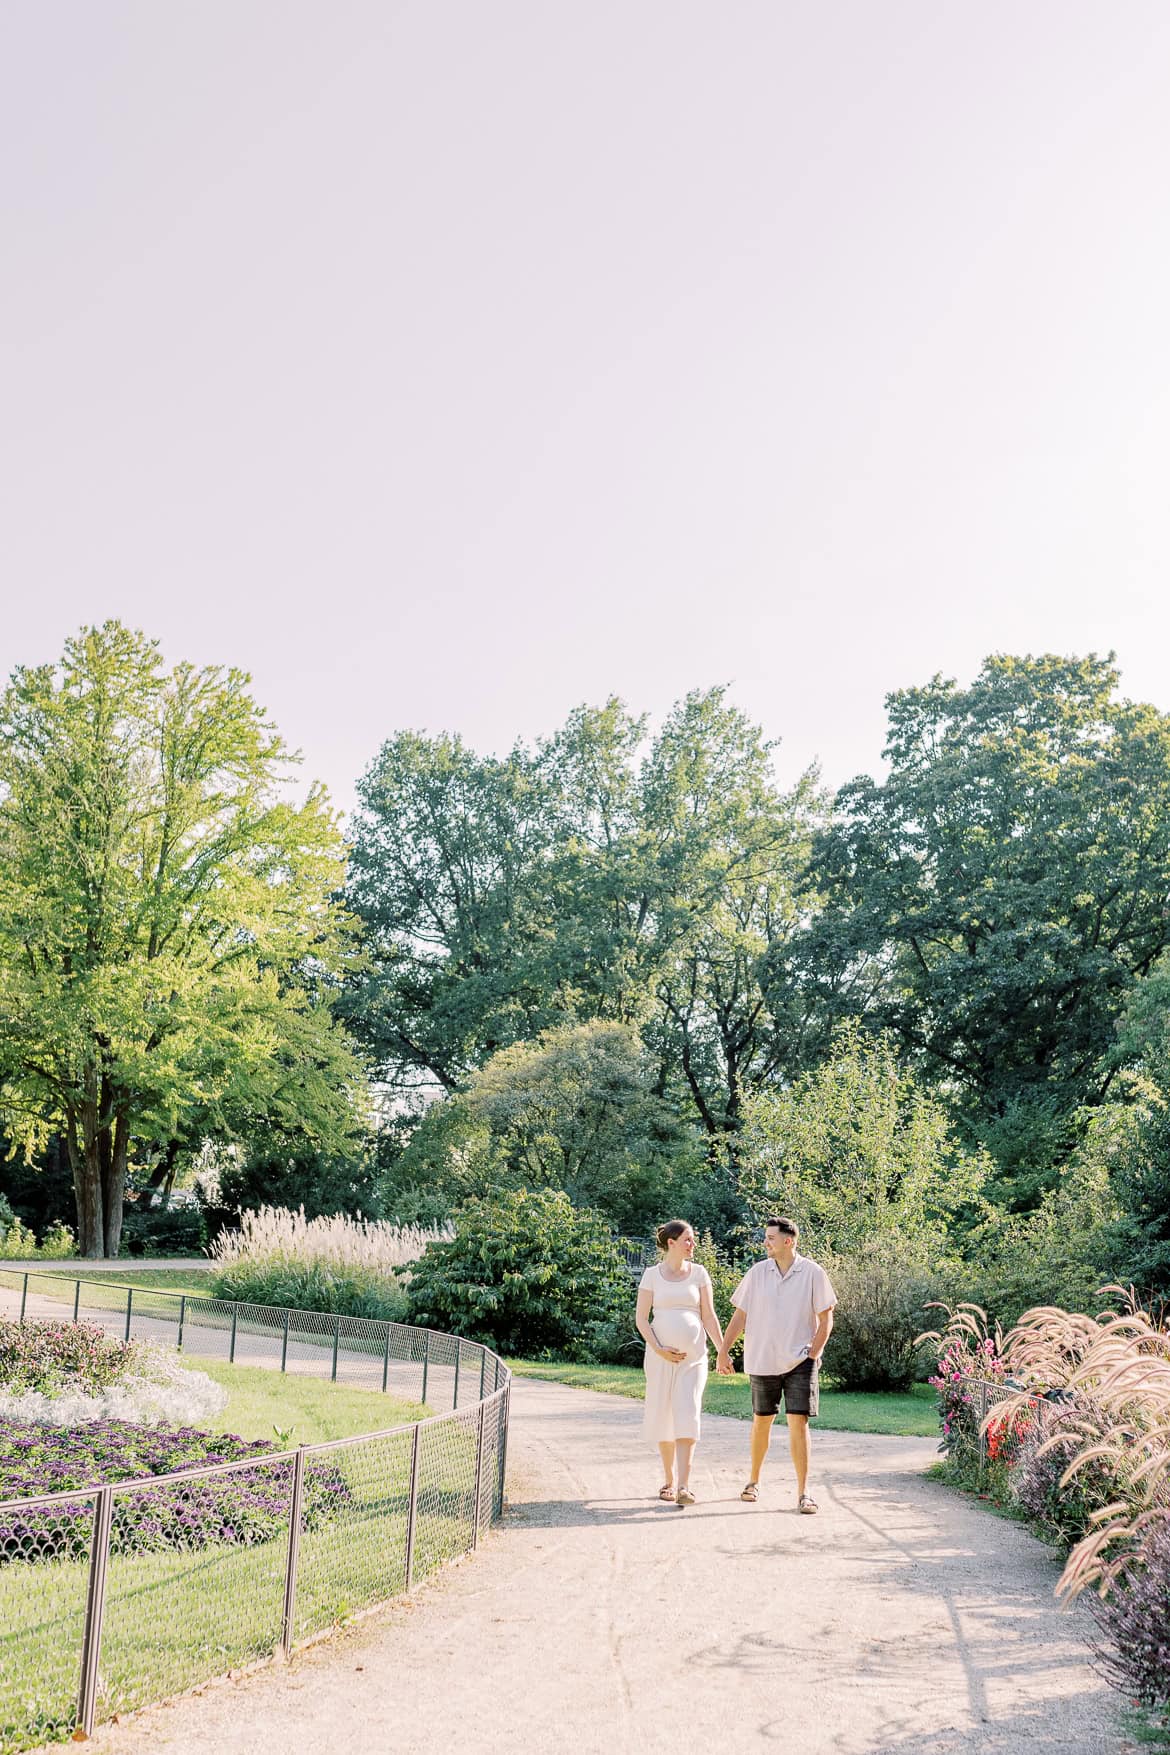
{"points": [[684, 1497], [807, 1505], [751, 1492], [666, 1491]]}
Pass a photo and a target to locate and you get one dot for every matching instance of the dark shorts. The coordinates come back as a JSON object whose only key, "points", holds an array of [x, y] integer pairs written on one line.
{"points": [[800, 1390]]}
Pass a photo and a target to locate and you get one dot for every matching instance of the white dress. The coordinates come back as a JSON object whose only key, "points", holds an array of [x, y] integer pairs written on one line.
{"points": [[674, 1393]]}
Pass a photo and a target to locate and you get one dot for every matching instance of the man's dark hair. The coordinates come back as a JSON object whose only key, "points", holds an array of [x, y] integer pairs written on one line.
{"points": [[789, 1226]]}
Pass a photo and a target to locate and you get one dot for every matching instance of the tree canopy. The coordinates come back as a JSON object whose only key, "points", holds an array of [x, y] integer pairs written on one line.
{"points": [[167, 920]]}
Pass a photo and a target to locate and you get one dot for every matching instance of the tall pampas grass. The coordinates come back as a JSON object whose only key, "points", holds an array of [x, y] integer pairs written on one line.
{"points": [[273, 1233], [343, 1266]]}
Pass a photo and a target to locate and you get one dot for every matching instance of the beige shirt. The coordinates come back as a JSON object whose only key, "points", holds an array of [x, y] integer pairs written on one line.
{"points": [[782, 1312]]}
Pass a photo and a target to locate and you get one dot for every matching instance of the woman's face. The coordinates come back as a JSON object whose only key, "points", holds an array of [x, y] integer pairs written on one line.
{"points": [[684, 1246]]}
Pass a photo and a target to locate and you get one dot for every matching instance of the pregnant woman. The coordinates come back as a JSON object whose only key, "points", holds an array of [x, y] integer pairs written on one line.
{"points": [[674, 1308]]}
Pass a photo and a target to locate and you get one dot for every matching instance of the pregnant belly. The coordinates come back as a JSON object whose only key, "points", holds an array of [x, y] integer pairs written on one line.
{"points": [[682, 1329]]}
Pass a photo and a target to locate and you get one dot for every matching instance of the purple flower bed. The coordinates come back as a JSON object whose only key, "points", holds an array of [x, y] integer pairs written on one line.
{"points": [[46, 1355], [245, 1507]]}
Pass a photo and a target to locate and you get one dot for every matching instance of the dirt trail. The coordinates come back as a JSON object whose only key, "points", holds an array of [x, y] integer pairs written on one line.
{"points": [[901, 1619]]}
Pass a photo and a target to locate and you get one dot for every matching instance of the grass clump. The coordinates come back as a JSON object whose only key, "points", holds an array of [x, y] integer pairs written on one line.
{"points": [[340, 1266]]}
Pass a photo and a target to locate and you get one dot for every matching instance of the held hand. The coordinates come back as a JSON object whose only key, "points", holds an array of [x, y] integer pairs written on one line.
{"points": [[723, 1365]]}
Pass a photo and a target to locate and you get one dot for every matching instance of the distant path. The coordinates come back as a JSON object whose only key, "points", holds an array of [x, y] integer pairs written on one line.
{"points": [[903, 1618]]}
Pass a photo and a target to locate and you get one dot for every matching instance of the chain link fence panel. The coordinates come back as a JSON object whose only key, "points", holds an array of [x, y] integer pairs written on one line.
{"points": [[113, 1597]]}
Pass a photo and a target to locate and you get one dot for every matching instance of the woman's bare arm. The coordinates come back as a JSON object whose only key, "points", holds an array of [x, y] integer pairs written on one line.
{"points": [[710, 1320]]}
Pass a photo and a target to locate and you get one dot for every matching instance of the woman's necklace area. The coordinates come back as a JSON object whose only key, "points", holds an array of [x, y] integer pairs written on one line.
{"points": [[675, 1273]]}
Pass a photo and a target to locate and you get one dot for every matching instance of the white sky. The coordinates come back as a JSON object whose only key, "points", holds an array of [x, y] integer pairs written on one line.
{"points": [[448, 364]]}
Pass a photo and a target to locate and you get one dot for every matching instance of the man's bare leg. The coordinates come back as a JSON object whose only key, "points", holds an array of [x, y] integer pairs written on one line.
{"points": [[761, 1438], [798, 1444]]}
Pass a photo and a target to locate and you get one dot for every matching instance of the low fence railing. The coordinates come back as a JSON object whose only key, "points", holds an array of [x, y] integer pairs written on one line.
{"points": [[112, 1597]]}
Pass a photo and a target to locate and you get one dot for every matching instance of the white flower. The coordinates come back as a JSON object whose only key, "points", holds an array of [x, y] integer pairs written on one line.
{"points": [[155, 1390]]}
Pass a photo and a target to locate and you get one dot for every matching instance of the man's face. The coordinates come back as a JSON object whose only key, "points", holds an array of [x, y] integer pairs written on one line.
{"points": [[779, 1244]]}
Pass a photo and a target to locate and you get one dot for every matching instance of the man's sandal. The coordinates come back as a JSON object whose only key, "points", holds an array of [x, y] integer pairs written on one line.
{"points": [[684, 1497], [751, 1492], [807, 1505], [666, 1491]]}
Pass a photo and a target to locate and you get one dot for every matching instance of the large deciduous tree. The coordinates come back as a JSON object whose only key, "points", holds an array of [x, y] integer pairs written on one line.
{"points": [[597, 876], [166, 916], [999, 892]]}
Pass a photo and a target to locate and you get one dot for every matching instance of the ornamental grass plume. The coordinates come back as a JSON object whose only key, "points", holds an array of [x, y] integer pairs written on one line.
{"points": [[273, 1233], [342, 1266], [1112, 1373]]}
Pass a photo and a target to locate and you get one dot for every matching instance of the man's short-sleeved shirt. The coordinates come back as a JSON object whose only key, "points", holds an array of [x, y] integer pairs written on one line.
{"points": [[782, 1312]]}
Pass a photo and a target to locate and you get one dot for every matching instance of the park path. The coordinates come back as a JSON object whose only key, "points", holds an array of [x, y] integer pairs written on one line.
{"points": [[902, 1618]]}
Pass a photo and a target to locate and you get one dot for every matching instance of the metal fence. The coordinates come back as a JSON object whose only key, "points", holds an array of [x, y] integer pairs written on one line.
{"points": [[970, 1443], [112, 1597]]}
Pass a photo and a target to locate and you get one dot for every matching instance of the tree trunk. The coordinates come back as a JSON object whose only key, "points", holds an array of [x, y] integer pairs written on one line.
{"points": [[114, 1186], [87, 1186]]}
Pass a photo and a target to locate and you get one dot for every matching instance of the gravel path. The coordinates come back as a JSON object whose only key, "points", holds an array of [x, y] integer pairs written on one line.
{"points": [[901, 1619]]}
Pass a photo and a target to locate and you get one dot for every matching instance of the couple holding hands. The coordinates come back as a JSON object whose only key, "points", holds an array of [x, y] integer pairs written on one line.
{"points": [[783, 1307]]}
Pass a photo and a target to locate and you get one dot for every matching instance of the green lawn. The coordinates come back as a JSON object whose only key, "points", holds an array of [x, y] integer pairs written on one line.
{"points": [[191, 1279], [315, 1410], [911, 1415], [176, 1618]]}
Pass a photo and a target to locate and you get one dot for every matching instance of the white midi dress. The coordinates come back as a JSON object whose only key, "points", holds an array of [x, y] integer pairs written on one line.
{"points": [[674, 1393]]}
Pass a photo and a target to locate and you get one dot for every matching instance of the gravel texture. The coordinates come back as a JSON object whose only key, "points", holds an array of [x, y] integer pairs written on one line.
{"points": [[902, 1618]]}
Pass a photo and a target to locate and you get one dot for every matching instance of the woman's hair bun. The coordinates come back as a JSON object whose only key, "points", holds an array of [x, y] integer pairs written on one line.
{"points": [[667, 1233]]}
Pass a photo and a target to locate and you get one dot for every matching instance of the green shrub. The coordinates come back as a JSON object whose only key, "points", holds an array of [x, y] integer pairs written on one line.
{"points": [[58, 1242], [525, 1273], [163, 1231], [335, 1288], [17, 1242], [881, 1300]]}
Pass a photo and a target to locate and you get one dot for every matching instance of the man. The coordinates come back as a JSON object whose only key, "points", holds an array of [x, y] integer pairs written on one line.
{"points": [[786, 1304]]}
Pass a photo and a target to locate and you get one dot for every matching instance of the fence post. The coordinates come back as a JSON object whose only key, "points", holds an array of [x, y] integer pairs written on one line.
{"points": [[232, 1347], [182, 1320], [284, 1344], [288, 1618], [504, 1411], [23, 1297], [411, 1509], [482, 1370], [386, 1361], [426, 1366], [76, 1298], [478, 1480], [95, 1603], [336, 1339], [129, 1308], [982, 1433], [458, 1357]]}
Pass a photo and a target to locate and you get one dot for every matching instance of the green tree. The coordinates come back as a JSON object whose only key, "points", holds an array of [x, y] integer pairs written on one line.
{"points": [[572, 1111], [1000, 891], [1136, 1128], [448, 878], [165, 916], [856, 1151], [599, 876]]}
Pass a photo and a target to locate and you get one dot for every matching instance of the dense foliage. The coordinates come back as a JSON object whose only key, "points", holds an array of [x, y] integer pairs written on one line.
{"points": [[882, 1297], [526, 1273], [166, 919], [621, 963]]}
